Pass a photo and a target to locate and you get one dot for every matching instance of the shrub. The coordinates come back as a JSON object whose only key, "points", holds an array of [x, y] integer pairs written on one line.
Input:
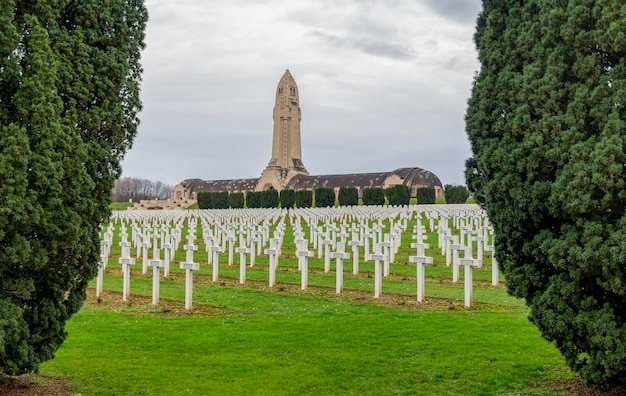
{"points": [[373, 196], [236, 200], [456, 194], [324, 197], [213, 200], [425, 195], [203, 199], [253, 199], [398, 195], [304, 198], [348, 196], [287, 198], [269, 199], [220, 200]]}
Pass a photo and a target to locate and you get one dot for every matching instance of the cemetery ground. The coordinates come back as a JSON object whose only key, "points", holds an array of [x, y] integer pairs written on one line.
{"points": [[254, 339]]}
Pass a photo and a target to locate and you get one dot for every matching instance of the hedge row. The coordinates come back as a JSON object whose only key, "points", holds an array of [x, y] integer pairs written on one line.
{"points": [[456, 194], [213, 200], [348, 196], [325, 197]]}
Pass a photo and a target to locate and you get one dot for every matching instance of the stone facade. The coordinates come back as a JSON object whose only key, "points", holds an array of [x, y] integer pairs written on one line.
{"points": [[286, 161], [286, 170]]}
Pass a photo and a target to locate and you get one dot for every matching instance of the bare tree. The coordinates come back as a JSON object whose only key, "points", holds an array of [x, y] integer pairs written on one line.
{"points": [[136, 189]]}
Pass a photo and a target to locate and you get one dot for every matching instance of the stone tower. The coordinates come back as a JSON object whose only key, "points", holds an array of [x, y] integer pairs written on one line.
{"points": [[286, 160]]}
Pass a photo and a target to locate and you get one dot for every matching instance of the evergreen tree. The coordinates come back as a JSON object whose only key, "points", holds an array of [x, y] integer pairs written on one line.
{"points": [[425, 195], [69, 89], [204, 200], [253, 199], [220, 200], [546, 122], [456, 194], [287, 198], [373, 196], [236, 200], [269, 199], [348, 196], [304, 198], [324, 197], [398, 195]]}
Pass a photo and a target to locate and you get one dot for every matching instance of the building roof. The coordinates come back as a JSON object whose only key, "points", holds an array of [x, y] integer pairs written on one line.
{"points": [[411, 177], [301, 182], [230, 185], [414, 177]]}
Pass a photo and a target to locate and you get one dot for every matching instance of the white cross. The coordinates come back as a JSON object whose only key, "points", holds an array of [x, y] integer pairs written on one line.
{"points": [[339, 257]]}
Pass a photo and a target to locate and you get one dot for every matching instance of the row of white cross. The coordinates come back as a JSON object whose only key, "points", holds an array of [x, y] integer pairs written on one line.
{"points": [[330, 228]]}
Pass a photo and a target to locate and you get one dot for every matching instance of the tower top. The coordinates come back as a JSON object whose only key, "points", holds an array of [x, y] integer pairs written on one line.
{"points": [[287, 87], [286, 158]]}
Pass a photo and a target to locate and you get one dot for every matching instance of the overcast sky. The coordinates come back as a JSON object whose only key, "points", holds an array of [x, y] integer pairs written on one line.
{"points": [[383, 85]]}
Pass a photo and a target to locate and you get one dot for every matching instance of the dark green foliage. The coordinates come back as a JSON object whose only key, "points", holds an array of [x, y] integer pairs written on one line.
{"points": [[262, 199], [204, 200], [373, 196], [287, 198], [399, 195], [221, 200], [348, 196], [425, 195], [546, 122], [456, 194], [213, 200], [324, 197], [69, 95], [236, 200], [269, 199], [253, 199], [304, 198]]}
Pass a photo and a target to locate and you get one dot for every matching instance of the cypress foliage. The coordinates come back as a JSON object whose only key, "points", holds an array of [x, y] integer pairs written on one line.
{"points": [[373, 196], [287, 198], [213, 200], [304, 198], [425, 195], [324, 197], [456, 194], [348, 196], [398, 195], [269, 199], [204, 200], [236, 200], [69, 96], [253, 199], [546, 122], [220, 200]]}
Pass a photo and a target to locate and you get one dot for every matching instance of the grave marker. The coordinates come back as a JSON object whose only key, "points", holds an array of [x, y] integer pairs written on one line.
{"points": [[242, 264], [339, 257], [305, 254]]}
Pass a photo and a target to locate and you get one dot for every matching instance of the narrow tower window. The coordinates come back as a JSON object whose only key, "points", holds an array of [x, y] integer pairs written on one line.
{"points": [[280, 91]]}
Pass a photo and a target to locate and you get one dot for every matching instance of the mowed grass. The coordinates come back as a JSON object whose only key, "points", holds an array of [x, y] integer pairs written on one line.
{"points": [[273, 343], [261, 341], [120, 205]]}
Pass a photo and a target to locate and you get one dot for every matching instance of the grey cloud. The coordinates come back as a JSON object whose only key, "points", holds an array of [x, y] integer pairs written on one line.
{"points": [[463, 11], [369, 46]]}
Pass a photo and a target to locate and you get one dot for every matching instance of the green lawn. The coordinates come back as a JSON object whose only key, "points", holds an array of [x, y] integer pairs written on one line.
{"points": [[275, 343], [120, 205], [252, 340]]}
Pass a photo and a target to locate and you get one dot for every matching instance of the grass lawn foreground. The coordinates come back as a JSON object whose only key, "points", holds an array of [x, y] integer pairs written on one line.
{"points": [[252, 340]]}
